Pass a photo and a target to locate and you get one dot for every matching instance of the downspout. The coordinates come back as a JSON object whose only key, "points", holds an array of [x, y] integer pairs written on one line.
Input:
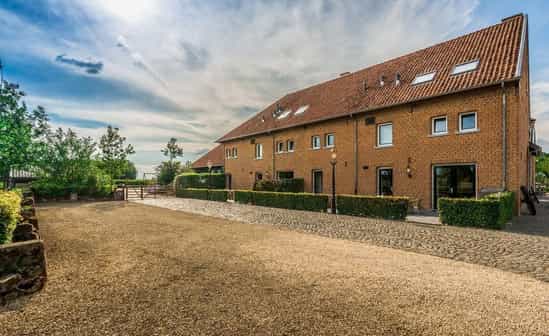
{"points": [[355, 148], [504, 136], [273, 155]]}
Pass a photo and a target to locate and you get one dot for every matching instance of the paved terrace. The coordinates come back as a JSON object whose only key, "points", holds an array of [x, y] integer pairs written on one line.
{"points": [[514, 252]]}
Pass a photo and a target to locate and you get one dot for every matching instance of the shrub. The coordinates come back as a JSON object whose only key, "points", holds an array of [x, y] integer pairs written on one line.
{"points": [[203, 194], [133, 182], [297, 201], [10, 208], [491, 211], [296, 185], [200, 181], [387, 207]]}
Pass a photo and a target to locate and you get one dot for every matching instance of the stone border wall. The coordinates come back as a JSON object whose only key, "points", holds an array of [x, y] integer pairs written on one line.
{"points": [[23, 262]]}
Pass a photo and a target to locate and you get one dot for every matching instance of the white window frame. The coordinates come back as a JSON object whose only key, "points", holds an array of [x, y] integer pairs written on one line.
{"points": [[327, 145], [454, 69], [469, 130], [228, 153], [235, 153], [260, 151], [280, 147], [288, 146], [378, 191], [379, 135], [424, 78], [313, 142], [433, 128]]}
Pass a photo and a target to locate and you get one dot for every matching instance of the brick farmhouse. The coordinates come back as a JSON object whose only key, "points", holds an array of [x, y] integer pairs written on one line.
{"points": [[449, 120]]}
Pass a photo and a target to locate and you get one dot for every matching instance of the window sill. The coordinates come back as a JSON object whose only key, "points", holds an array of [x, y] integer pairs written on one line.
{"points": [[329, 147], [280, 153], [476, 130], [436, 135], [316, 148], [291, 151], [383, 146], [258, 158]]}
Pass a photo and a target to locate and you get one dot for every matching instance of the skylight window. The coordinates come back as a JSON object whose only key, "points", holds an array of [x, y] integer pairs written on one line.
{"points": [[424, 78], [284, 114], [465, 67], [301, 110]]}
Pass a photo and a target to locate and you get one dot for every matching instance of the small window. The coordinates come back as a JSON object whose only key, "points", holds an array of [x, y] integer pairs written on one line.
{"points": [[465, 67], [280, 147], [385, 135], [284, 114], [315, 142], [440, 126], [301, 110], [258, 151], [235, 153], [424, 78], [282, 175], [468, 122], [291, 145], [330, 140], [228, 153], [385, 181]]}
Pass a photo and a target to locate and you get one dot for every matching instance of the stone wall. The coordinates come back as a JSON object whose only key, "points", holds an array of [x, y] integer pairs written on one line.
{"points": [[23, 262]]}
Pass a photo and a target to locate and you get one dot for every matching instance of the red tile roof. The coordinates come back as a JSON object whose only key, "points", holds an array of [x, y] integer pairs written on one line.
{"points": [[496, 47], [215, 155]]}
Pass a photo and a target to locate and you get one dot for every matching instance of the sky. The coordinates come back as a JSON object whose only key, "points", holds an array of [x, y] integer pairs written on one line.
{"points": [[195, 69]]}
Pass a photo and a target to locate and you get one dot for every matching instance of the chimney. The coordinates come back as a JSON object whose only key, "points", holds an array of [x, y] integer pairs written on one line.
{"points": [[397, 79]]}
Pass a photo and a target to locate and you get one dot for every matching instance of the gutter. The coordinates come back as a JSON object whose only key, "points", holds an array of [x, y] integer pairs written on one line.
{"points": [[355, 142], [346, 114]]}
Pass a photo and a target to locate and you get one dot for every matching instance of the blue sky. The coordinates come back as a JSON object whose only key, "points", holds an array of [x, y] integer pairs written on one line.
{"points": [[195, 69]]}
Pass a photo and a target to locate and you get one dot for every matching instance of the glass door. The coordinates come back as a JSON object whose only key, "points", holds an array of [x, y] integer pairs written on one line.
{"points": [[454, 181]]}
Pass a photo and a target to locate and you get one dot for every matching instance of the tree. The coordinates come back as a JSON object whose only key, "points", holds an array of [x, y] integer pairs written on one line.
{"points": [[130, 173], [113, 152], [172, 149], [542, 167], [21, 132]]}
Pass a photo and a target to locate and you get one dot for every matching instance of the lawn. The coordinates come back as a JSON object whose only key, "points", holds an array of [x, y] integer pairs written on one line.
{"points": [[130, 269]]}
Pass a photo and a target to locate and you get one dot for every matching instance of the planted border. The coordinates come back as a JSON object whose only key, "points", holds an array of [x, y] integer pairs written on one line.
{"points": [[10, 209], [203, 194], [294, 201], [387, 207]]}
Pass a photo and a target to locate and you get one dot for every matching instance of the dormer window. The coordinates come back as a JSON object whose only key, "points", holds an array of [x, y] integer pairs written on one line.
{"points": [[465, 67], [397, 79], [424, 78], [382, 81]]}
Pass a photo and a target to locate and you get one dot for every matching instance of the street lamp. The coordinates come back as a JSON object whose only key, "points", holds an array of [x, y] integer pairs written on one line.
{"points": [[333, 162], [210, 165]]}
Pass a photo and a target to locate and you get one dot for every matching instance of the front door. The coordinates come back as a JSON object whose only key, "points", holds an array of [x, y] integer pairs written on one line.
{"points": [[317, 181], [454, 181]]}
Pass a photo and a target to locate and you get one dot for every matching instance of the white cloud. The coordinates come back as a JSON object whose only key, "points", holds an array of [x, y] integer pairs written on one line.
{"points": [[247, 55]]}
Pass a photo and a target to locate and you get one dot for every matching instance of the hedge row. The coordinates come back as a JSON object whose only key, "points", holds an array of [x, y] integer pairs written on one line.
{"points": [[200, 181], [491, 211], [294, 185], [10, 209], [387, 207], [203, 194], [296, 201], [133, 182]]}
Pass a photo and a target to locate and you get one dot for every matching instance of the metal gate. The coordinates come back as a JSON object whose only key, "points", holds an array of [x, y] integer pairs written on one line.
{"points": [[140, 192]]}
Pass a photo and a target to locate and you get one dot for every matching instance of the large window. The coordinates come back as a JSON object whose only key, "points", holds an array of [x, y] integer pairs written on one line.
{"points": [[385, 181], [330, 140], [468, 122], [291, 145], [315, 142], [440, 126], [258, 151], [385, 135]]}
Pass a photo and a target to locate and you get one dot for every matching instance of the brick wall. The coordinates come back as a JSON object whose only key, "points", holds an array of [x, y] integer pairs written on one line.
{"points": [[413, 146]]}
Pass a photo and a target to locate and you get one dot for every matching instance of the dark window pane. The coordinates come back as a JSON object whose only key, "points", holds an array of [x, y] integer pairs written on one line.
{"points": [[385, 187], [468, 121]]}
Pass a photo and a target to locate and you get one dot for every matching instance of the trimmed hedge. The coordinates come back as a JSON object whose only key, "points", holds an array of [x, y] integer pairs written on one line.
{"points": [[199, 181], [133, 182], [295, 201], [295, 185], [491, 211], [10, 209], [203, 194], [387, 207]]}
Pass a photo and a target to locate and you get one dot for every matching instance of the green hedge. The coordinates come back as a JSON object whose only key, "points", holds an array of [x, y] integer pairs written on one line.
{"points": [[296, 201], [295, 185], [203, 194], [491, 211], [199, 181], [10, 209], [388, 207], [133, 182]]}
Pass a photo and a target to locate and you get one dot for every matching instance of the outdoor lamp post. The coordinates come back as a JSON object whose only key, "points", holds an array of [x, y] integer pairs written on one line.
{"points": [[333, 162], [210, 175]]}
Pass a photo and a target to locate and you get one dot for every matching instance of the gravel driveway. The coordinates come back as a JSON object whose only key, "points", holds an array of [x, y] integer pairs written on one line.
{"points": [[519, 253], [130, 269]]}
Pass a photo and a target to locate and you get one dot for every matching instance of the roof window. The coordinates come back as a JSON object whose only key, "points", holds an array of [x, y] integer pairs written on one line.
{"points": [[424, 78], [465, 67], [284, 114], [301, 110]]}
